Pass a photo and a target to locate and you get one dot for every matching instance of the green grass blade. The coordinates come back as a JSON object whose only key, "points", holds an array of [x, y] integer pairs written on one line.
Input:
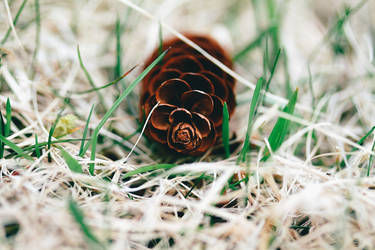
{"points": [[370, 160], [281, 127], [80, 219], [226, 130], [311, 88], [89, 78], [43, 144], [71, 162], [37, 36], [83, 67], [106, 85], [8, 116], [339, 24], [146, 169], [271, 8], [194, 185], [2, 132], [288, 87], [360, 142], [252, 45], [81, 151], [160, 38], [265, 58], [116, 104], [272, 72], [51, 131], [255, 101], [118, 66], [335, 29], [36, 146], [17, 149], [15, 20], [118, 47]]}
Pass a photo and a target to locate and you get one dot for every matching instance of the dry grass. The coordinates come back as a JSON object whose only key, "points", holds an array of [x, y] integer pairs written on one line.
{"points": [[313, 193]]}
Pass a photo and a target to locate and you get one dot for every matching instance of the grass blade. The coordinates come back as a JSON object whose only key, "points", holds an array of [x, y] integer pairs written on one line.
{"points": [[371, 159], [281, 127], [71, 162], [360, 142], [106, 85], [114, 107], [80, 219], [89, 78], [37, 36], [148, 169], [6, 36], [273, 70], [43, 144], [288, 87], [2, 132], [51, 131], [17, 149], [8, 116], [160, 38], [81, 151], [87, 74], [255, 101], [226, 130], [36, 146], [117, 70], [252, 45]]}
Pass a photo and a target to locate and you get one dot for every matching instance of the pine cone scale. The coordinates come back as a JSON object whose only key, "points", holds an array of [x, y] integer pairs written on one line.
{"points": [[199, 82], [171, 90], [197, 101], [160, 117]]}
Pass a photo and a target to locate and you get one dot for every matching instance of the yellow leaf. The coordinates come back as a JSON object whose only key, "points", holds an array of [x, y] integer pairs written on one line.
{"points": [[66, 125]]}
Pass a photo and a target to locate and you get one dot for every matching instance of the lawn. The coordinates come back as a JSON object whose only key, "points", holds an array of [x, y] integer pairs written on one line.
{"points": [[294, 168]]}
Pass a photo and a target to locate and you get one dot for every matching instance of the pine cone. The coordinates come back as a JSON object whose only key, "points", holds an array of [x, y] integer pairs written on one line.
{"points": [[191, 91]]}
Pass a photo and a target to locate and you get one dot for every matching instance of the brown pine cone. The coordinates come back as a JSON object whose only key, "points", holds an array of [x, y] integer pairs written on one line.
{"points": [[191, 91]]}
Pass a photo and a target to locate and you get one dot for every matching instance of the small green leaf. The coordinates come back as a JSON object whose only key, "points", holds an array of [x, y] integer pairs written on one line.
{"points": [[71, 162], [281, 127]]}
